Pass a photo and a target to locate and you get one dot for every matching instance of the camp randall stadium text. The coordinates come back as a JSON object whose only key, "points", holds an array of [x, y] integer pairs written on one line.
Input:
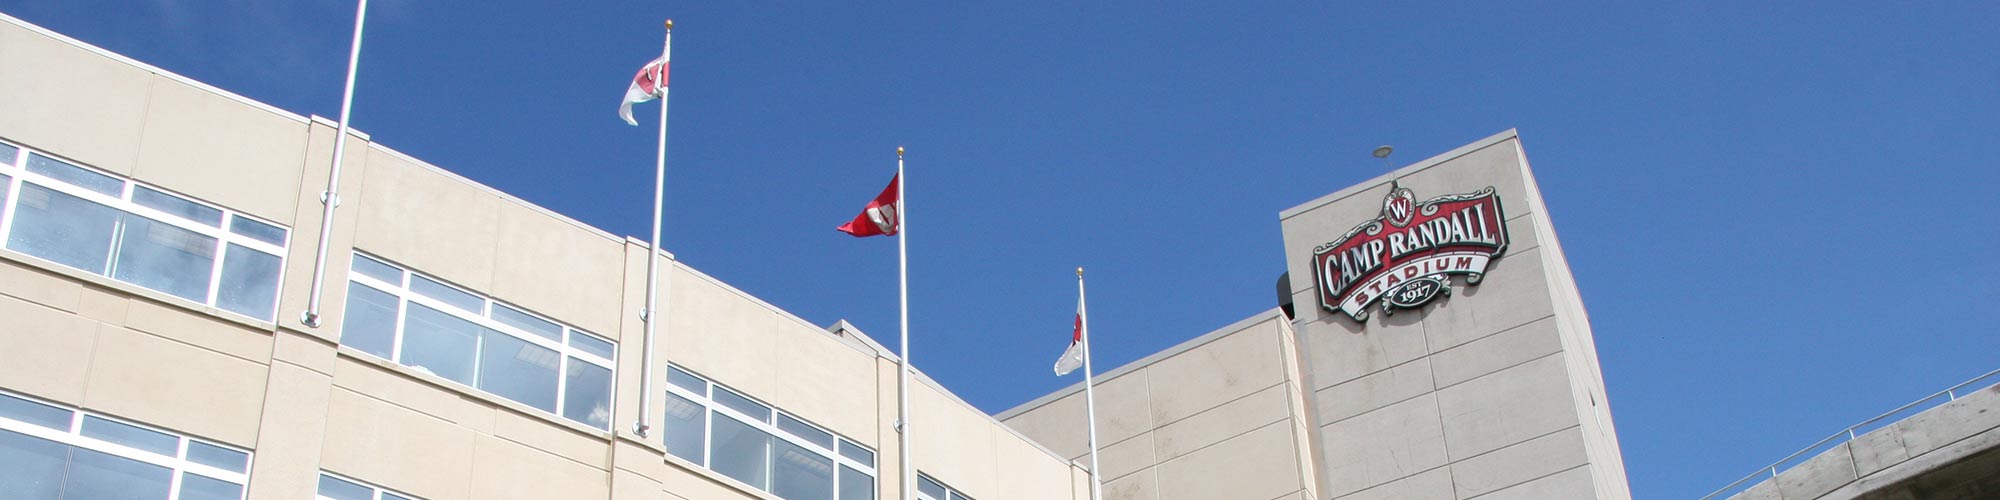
{"points": [[1405, 256]]}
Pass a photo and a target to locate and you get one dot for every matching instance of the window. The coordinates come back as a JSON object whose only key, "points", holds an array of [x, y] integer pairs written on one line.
{"points": [[931, 489], [106, 225], [732, 434], [436, 328], [332, 487], [51, 452], [6, 186]]}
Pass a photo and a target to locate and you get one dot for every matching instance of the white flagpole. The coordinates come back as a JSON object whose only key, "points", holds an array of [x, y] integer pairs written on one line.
{"points": [[651, 315], [903, 285], [1089, 394], [331, 197]]}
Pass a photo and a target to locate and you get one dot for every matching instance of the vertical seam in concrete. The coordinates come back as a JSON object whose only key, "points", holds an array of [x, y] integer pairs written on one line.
{"points": [[1438, 403], [90, 364], [305, 158], [145, 115], [1150, 427]]}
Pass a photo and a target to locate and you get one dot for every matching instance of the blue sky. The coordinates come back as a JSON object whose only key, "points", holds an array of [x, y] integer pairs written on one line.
{"points": [[1780, 216]]}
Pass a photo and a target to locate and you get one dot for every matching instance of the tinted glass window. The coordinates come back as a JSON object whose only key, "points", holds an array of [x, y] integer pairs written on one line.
{"points": [[6, 184], [95, 475], [854, 485], [742, 404], [687, 427], [131, 435], [8, 153], [218, 457], [518, 370], [166, 258], [34, 413], [376, 269], [445, 293], [687, 381], [591, 344], [257, 230], [805, 431], [341, 489], [370, 322], [857, 453], [587, 394], [31, 468], [800, 474], [176, 206], [196, 487], [63, 229], [439, 343], [75, 175], [527, 322], [929, 488], [741, 452], [249, 283]]}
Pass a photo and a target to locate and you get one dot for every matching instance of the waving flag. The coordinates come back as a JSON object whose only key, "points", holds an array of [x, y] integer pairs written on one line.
{"points": [[882, 217], [650, 83], [1072, 358]]}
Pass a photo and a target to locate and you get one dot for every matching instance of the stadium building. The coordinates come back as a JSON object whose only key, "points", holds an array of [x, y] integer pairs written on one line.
{"points": [[157, 241]]}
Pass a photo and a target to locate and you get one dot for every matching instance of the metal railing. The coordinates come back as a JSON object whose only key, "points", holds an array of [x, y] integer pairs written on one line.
{"points": [[1845, 435]]}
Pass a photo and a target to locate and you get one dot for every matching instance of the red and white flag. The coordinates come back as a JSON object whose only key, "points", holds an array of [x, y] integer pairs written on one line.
{"points": [[1073, 357], [882, 217], [649, 84]]}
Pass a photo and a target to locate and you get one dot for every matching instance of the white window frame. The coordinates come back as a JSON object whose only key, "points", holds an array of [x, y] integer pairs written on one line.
{"points": [[179, 464], [377, 493], [405, 296], [950, 492], [768, 427], [19, 174]]}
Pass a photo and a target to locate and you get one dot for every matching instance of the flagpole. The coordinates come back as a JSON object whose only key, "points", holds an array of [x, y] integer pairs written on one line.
{"points": [[1089, 394], [903, 287], [331, 197], [651, 314]]}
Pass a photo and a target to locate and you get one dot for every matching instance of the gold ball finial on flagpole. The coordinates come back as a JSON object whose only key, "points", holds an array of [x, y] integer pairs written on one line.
{"points": [[1079, 271], [670, 25], [899, 151]]}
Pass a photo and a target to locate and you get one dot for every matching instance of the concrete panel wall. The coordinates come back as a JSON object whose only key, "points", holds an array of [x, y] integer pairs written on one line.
{"points": [[741, 342], [1492, 391], [426, 220], [1219, 417], [105, 347], [315, 165], [76, 102], [1948, 451], [304, 404], [215, 148], [554, 267]]}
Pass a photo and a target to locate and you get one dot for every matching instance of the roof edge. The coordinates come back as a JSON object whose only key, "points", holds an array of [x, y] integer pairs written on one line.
{"points": [[156, 70]]}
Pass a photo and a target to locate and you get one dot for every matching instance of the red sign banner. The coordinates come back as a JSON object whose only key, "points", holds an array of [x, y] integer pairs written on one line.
{"points": [[1403, 256]]}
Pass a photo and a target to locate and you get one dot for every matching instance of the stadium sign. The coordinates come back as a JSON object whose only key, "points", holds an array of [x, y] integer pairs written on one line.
{"points": [[1405, 257]]}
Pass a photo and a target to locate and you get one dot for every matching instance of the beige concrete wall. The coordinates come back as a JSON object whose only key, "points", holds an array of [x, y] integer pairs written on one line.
{"points": [[90, 342], [304, 404], [972, 452], [1492, 391], [1220, 417]]}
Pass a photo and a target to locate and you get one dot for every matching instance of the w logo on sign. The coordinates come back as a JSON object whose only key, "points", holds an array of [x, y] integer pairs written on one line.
{"points": [[1399, 206], [885, 217]]}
